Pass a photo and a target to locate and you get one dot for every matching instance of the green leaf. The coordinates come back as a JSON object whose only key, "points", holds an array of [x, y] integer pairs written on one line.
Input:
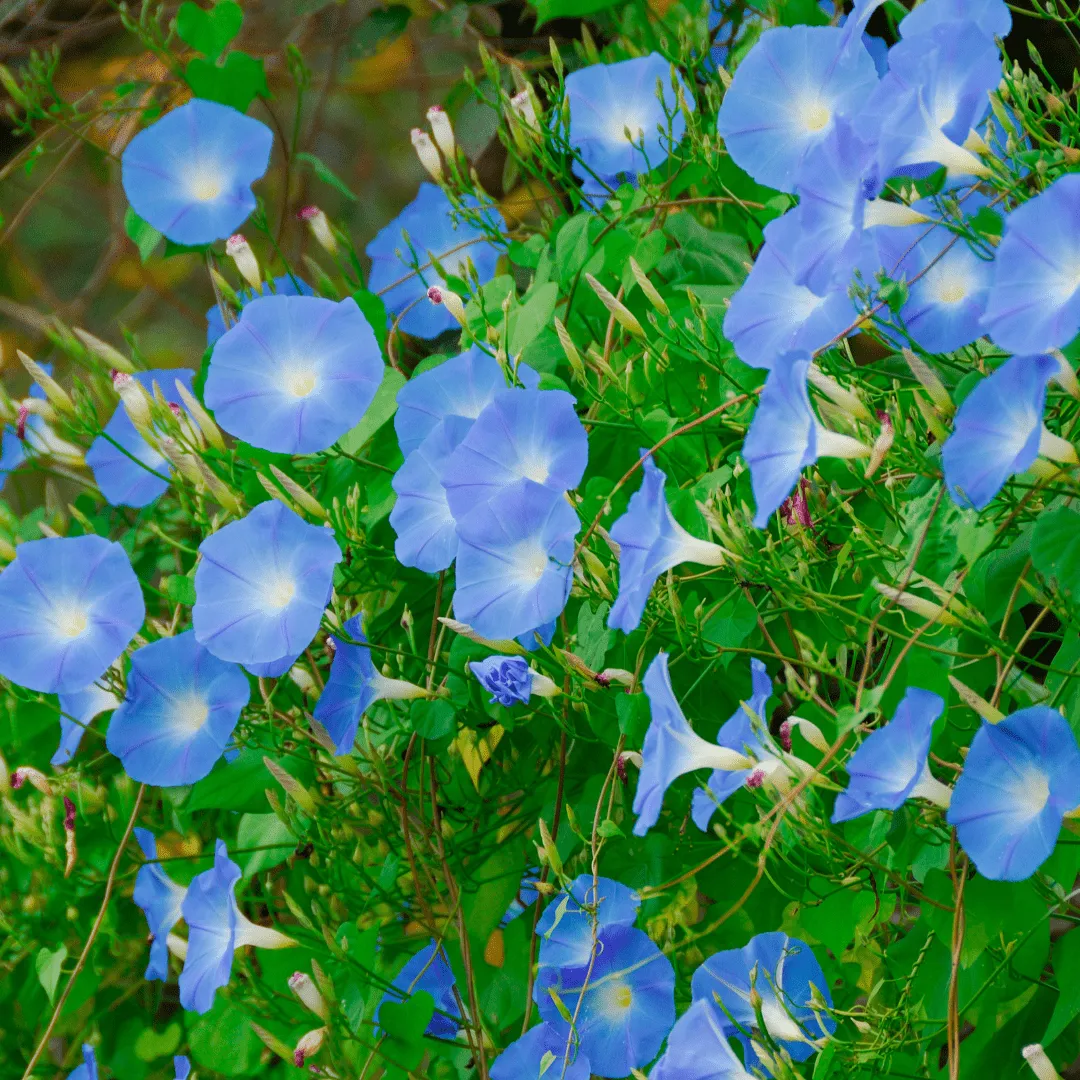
{"points": [[209, 31], [633, 712], [143, 235], [267, 833], [1055, 548], [328, 177], [49, 966], [526, 321], [180, 589], [382, 408], [546, 10], [237, 82], [222, 1041], [1066, 962], [432, 719], [593, 636], [374, 310], [238, 785], [151, 1045], [382, 27], [403, 1024]]}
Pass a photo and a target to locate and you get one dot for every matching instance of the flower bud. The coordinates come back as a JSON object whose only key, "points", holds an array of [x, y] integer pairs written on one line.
{"points": [[882, 445], [442, 130], [36, 778], [135, 400], [103, 351], [309, 1045], [1040, 1063], [439, 294], [524, 108], [319, 224], [303, 986], [428, 155], [239, 250], [58, 397]]}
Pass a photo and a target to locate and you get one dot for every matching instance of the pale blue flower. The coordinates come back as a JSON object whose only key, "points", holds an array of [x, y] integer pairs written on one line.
{"points": [[77, 710], [161, 900], [88, 1069], [523, 1058], [286, 285], [428, 972], [698, 1049], [991, 17], [182, 1066], [566, 927], [189, 174], [507, 678]]}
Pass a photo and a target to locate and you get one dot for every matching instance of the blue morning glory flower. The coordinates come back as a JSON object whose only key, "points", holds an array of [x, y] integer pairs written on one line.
{"points": [[1020, 778], [355, 684], [698, 1049], [741, 734], [997, 430], [421, 517], [785, 96], [121, 480], [428, 972], [608, 100], [626, 1006], [161, 900], [992, 17], [890, 765], [782, 970], [216, 928], [182, 1066], [507, 678], [522, 435], [71, 605], [77, 710], [180, 711], [295, 373], [88, 1069], [462, 386], [13, 448], [651, 542], [286, 285], [523, 1058], [401, 270], [190, 173], [565, 928], [672, 748], [262, 585], [527, 895], [771, 313], [513, 563], [1034, 302]]}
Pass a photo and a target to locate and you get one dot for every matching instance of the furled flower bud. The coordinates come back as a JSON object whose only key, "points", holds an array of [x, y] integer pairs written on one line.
{"points": [[1040, 1063], [428, 155], [20, 423], [303, 986], [524, 109], [36, 778], [319, 224], [441, 129], [239, 250], [135, 399], [309, 1045], [882, 445], [439, 294]]}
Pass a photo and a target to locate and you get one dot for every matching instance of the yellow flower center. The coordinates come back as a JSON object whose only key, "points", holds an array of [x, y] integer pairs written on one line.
{"points": [[814, 115], [190, 713], [205, 186], [278, 592], [530, 562], [300, 382], [617, 997], [70, 621]]}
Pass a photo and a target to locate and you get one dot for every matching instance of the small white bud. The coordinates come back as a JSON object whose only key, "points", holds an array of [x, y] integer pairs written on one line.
{"points": [[239, 250], [309, 1045], [428, 155], [1040, 1063], [440, 294], [442, 130], [320, 228], [303, 986]]}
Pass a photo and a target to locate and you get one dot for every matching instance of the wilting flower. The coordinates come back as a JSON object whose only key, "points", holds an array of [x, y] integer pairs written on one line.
{"points": [[618, 124], [672, 748], [510, 680], [428, 972], [161, 900], [77, 710], [651, 542], [1021, 777], [998, 430], [70, 605], [401, 269], [523, 1059], [262, 585], [190, 173], [784, 973], [1034, 302], [566, 927], [295, 373], [286, 285], [698, 1049], [88, 1069], [216, 928], [354, 685], [890, 766], [180, 711], [626, 1006], [522, 435], [513, 563]]}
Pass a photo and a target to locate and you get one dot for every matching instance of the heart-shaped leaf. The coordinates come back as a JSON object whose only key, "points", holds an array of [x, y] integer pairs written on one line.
{"points": [[237, 82], [209, 31]]}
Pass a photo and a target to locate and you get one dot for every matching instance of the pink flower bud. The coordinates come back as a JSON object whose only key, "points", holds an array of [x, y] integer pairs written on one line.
{"points": [[439, 294], [20, 423], [756, 778], [36, 778], [69, 815], [309, 1045], [239, 250], [320, 228], [785, 736]]}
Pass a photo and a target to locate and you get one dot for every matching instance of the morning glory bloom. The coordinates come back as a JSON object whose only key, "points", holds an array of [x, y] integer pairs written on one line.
{"points": [[513, 563], [510, 680], [1021, 777], [161, 900], [771, 313], [262, 585], [295, 373], [77, 710], [698, 1049], [401, 270], [785, 96], [782, 970], [88, 1069], [190, 173], [182, 1066], [355, 684], [992, 17], [741, 734], [565, 928], [1034, 302], [522, 435], [998, 431], [627, 1001], [428, 971], [607, 101], [523, 1058], [672, 748], [71, 605], [286, 285], [121, 480], [651, 542], [180, 711], [785, 436], [421, 517], [890, 765], [462, 386], [216, 928]]}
